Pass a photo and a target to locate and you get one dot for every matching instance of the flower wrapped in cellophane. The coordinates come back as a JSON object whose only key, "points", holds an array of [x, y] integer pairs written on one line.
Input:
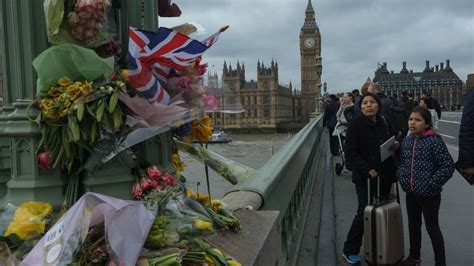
{"points": [[30, 220]]}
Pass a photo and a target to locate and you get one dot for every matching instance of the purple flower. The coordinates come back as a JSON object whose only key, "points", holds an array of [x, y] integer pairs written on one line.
{"points": [[183, 130]]}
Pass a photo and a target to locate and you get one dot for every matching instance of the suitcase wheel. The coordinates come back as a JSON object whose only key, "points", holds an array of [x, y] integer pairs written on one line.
{"points": [[338, 168]]}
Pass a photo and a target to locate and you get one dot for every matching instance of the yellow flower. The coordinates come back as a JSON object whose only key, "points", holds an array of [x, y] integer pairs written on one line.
{"points": [[86, 88], [204, 199], [189, 193], [202, 225], [177, 163], [218, 251], [210, 261], [54, 92], [29, 219], [207, 121], [125, 74], [233, 263], [216, 204], [64, 81]]}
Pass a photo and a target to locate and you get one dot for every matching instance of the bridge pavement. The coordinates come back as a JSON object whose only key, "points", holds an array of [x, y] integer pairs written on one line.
{"points": [[456, 217]]}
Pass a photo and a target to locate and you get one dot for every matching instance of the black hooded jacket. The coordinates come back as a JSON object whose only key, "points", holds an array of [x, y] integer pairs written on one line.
{"points": [[362, 149]]}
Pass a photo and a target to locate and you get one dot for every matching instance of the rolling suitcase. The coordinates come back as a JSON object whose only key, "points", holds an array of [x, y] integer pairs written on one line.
{"points": [[383, 231]]}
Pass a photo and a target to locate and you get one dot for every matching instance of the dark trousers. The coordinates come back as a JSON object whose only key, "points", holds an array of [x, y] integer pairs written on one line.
{"points": [[333, 142], [429, 207], [354, 237]]}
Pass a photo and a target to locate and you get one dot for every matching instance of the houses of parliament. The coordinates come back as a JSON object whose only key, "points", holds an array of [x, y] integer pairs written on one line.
{"points": [[268, 105]]}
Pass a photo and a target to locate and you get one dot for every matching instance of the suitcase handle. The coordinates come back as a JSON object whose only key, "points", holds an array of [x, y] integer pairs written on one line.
{"points": [[377, 198]]}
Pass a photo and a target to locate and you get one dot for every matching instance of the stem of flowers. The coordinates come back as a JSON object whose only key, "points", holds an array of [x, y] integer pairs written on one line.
{"points": [[208, 183]]}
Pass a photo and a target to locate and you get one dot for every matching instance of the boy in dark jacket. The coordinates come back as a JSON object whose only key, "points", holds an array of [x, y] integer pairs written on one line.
{"points": [[425, 166]]}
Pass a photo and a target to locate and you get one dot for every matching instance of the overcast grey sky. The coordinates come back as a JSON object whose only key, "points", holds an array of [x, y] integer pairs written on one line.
{"points": [[355, 35]]}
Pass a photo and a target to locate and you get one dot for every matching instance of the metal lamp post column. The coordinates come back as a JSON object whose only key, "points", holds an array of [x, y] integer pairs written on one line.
{"points": [[23, 37], [319, 70]]}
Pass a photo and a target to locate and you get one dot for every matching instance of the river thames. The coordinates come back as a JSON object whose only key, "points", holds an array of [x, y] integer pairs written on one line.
{"points": [[252, 150]]}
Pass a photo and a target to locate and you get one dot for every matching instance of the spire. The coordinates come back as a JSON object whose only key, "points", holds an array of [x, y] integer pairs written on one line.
{"points": [[309, 8], [309, 20], [238, 65]]}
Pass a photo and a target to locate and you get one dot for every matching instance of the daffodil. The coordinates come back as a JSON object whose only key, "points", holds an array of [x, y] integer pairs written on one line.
{"points": [[64, 81], [202, 225], [177, 163], [29, 219]]}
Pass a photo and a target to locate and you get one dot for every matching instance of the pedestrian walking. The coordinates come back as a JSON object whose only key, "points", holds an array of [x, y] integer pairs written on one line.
{"points": [[425, 167], [363, 90], [434, 102], [427, 104], [408, 103], [392, 110], [465, 161], [346, 103], [362, 153], [330, 121]]}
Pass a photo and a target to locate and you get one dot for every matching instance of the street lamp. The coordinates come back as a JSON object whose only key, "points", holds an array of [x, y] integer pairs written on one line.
{"points": [[319, 70]]}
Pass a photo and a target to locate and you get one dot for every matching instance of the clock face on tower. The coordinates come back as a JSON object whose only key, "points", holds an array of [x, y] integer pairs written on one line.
{"points": [[309, 42]]}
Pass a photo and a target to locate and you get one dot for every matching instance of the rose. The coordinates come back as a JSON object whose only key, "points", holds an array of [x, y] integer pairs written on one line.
{"points": [[43, 160], [137, 190], [145, 184], [169, 179], [154, 173]]}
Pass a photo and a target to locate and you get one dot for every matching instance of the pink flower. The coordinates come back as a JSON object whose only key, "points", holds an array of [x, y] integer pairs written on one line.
{"points": [[201, 69], [145, 184], [43, 160], [210, 102], [153, 184], [184, 83], [169, 179], [137, 190], [154, 173]]}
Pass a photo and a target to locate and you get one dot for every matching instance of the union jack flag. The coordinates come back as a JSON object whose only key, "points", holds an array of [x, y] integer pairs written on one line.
{"points": [[153, 57]]}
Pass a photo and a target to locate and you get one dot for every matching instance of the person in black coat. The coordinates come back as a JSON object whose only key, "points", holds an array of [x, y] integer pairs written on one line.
{"points": [[362, 152], [330, 121], [466, 136]]}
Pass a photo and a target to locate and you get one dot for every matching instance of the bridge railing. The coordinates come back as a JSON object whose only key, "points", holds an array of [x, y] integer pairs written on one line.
{"points": [[285, 184]]}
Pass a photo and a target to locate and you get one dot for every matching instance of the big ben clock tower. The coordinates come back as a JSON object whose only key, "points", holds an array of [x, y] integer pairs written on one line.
{"points": [[310, 50]]}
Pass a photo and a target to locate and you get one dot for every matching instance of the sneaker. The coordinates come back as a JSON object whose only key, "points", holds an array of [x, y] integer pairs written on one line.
{"points": [[351, 259], [410, 261]]}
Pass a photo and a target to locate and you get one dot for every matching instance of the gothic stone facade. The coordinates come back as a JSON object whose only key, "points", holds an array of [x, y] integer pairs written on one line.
{"points": [[267, 104], [440, 81], [311, 67]]}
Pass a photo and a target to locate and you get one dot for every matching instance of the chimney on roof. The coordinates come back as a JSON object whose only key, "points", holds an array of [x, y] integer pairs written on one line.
{"points": [[404, 69], [385, 65], [391, 72], [448, 67], [427, 67], [411, 70], [436, 67], [441, 66]]}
